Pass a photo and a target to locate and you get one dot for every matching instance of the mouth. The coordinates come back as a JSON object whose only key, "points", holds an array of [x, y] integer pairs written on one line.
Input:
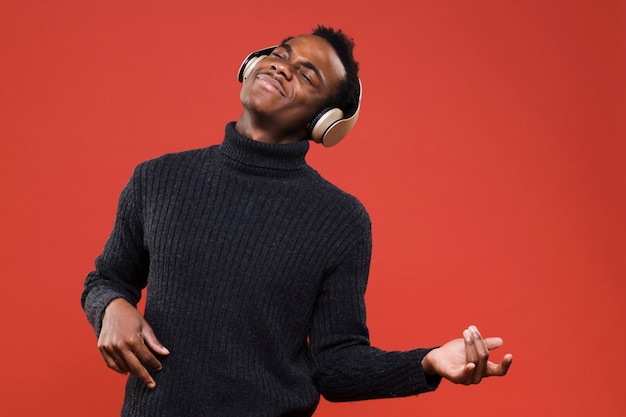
{"points": [[271, 83]]}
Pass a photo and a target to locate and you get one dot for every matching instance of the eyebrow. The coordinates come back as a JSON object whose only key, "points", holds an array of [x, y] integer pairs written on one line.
{"points": [[306, 63]]}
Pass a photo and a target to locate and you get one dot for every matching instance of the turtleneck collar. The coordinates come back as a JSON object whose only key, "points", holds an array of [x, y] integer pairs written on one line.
{"points": [[249, 153]]}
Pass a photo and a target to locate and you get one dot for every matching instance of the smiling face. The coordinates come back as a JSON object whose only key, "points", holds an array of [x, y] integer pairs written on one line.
{"points": [[287, 89]]}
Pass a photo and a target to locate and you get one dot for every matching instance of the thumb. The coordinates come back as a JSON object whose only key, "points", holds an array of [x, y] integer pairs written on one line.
{"points": [[493, 342], [151, 340]]}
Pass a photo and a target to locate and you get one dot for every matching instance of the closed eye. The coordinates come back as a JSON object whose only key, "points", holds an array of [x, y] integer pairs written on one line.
{"points": [[307, 78], [307, 70]]}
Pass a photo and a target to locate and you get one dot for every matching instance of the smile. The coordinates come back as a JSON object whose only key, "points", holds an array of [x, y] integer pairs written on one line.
{"points": [[271, 83]]}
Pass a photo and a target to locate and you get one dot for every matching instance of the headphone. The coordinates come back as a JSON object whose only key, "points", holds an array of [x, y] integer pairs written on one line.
{"points": [[329, 126]]}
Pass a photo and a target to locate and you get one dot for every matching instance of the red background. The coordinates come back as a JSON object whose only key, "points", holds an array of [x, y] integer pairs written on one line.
{"points": [[490, 153]]}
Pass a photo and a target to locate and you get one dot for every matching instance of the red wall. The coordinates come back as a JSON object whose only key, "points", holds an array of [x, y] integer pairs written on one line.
{"points": [[490, 153]]}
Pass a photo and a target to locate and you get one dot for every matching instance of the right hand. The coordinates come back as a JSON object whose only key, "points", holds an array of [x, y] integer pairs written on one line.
{"points": [[126, 340]]}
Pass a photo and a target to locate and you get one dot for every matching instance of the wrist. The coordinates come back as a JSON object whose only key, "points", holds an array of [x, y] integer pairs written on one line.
{"points": [[116, 303], [427, 363]]}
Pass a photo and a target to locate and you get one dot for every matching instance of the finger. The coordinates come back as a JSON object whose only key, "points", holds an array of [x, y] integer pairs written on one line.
{"points": [[137, 356], [500, 369], [464, 375], [112, 362], [471, 356], [482, 355], [147, 357], [111, 357], [124, 357], [136, 368], [493, 342], [151, 340]]}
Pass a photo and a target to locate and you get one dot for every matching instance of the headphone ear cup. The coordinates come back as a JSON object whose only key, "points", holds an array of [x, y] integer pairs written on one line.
{"points": [[324, 121], [248, 66], [330, 126], [250, 62], [338, 130]]}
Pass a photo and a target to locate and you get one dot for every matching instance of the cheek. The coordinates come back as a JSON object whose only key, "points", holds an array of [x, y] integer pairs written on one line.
{"points": [[242, 95], [300, 116], [246, 96], [309, 108]]}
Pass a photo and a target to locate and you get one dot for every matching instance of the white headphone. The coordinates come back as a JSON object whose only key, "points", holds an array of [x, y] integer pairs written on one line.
{"points": [[330, 125]]}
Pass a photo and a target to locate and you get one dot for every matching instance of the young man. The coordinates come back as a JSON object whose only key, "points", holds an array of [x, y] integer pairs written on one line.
{"points": [[256, 266]]}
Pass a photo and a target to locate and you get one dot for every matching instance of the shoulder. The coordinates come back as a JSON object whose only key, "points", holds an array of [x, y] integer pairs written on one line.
{"points": [[340, 202], [171, 163], [176, 158]]}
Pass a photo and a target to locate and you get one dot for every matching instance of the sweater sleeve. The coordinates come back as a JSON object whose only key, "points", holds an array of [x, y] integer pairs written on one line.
{"points": [[347, 368], [121, 270]]}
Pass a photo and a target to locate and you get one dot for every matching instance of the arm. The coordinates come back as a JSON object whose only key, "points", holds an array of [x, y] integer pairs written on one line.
{"points": [[112, 291], [347, 368], [121, 270]]}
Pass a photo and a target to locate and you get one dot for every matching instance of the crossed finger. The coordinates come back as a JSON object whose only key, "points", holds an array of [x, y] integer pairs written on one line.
{"points": [[476, 355]]}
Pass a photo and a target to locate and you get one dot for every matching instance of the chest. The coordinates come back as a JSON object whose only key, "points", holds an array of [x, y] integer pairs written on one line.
{"points": [[257, 236]]}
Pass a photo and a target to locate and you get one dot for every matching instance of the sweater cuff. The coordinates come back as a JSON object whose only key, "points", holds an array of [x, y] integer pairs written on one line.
{"points": [[430, 382], [96, 302]]}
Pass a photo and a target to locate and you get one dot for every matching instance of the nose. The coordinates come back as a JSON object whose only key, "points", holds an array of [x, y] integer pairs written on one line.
{"points": [[282, 67]]}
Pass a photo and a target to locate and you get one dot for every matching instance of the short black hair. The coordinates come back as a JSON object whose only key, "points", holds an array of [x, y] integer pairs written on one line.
{"points": [[347, 98]]}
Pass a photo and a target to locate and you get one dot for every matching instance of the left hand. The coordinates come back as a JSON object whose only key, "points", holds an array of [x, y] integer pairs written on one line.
{"points": [[466, 361]]}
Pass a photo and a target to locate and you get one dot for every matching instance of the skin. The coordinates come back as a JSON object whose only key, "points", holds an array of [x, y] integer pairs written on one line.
{"points": [[466, 360], [281, 96], [126, 338], [287, 89]]}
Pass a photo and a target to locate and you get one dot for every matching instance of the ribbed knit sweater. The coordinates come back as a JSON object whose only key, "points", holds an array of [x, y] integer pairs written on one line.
{"points": [[256, 269]]}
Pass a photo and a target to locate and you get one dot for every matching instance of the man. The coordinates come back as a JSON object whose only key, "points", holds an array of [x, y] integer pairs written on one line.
{"points": [[256, 266]]}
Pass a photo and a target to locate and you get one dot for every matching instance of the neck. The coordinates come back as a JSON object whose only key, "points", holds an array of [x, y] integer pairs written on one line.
{"points": [[266, 131]]}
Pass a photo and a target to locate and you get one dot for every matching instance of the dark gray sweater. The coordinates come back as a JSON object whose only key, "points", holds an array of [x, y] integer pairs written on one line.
{"points": [[256, 269]]}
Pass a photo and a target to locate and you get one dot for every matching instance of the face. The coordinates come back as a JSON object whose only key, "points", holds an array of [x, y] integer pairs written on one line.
{"points": [[294, 83]]}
